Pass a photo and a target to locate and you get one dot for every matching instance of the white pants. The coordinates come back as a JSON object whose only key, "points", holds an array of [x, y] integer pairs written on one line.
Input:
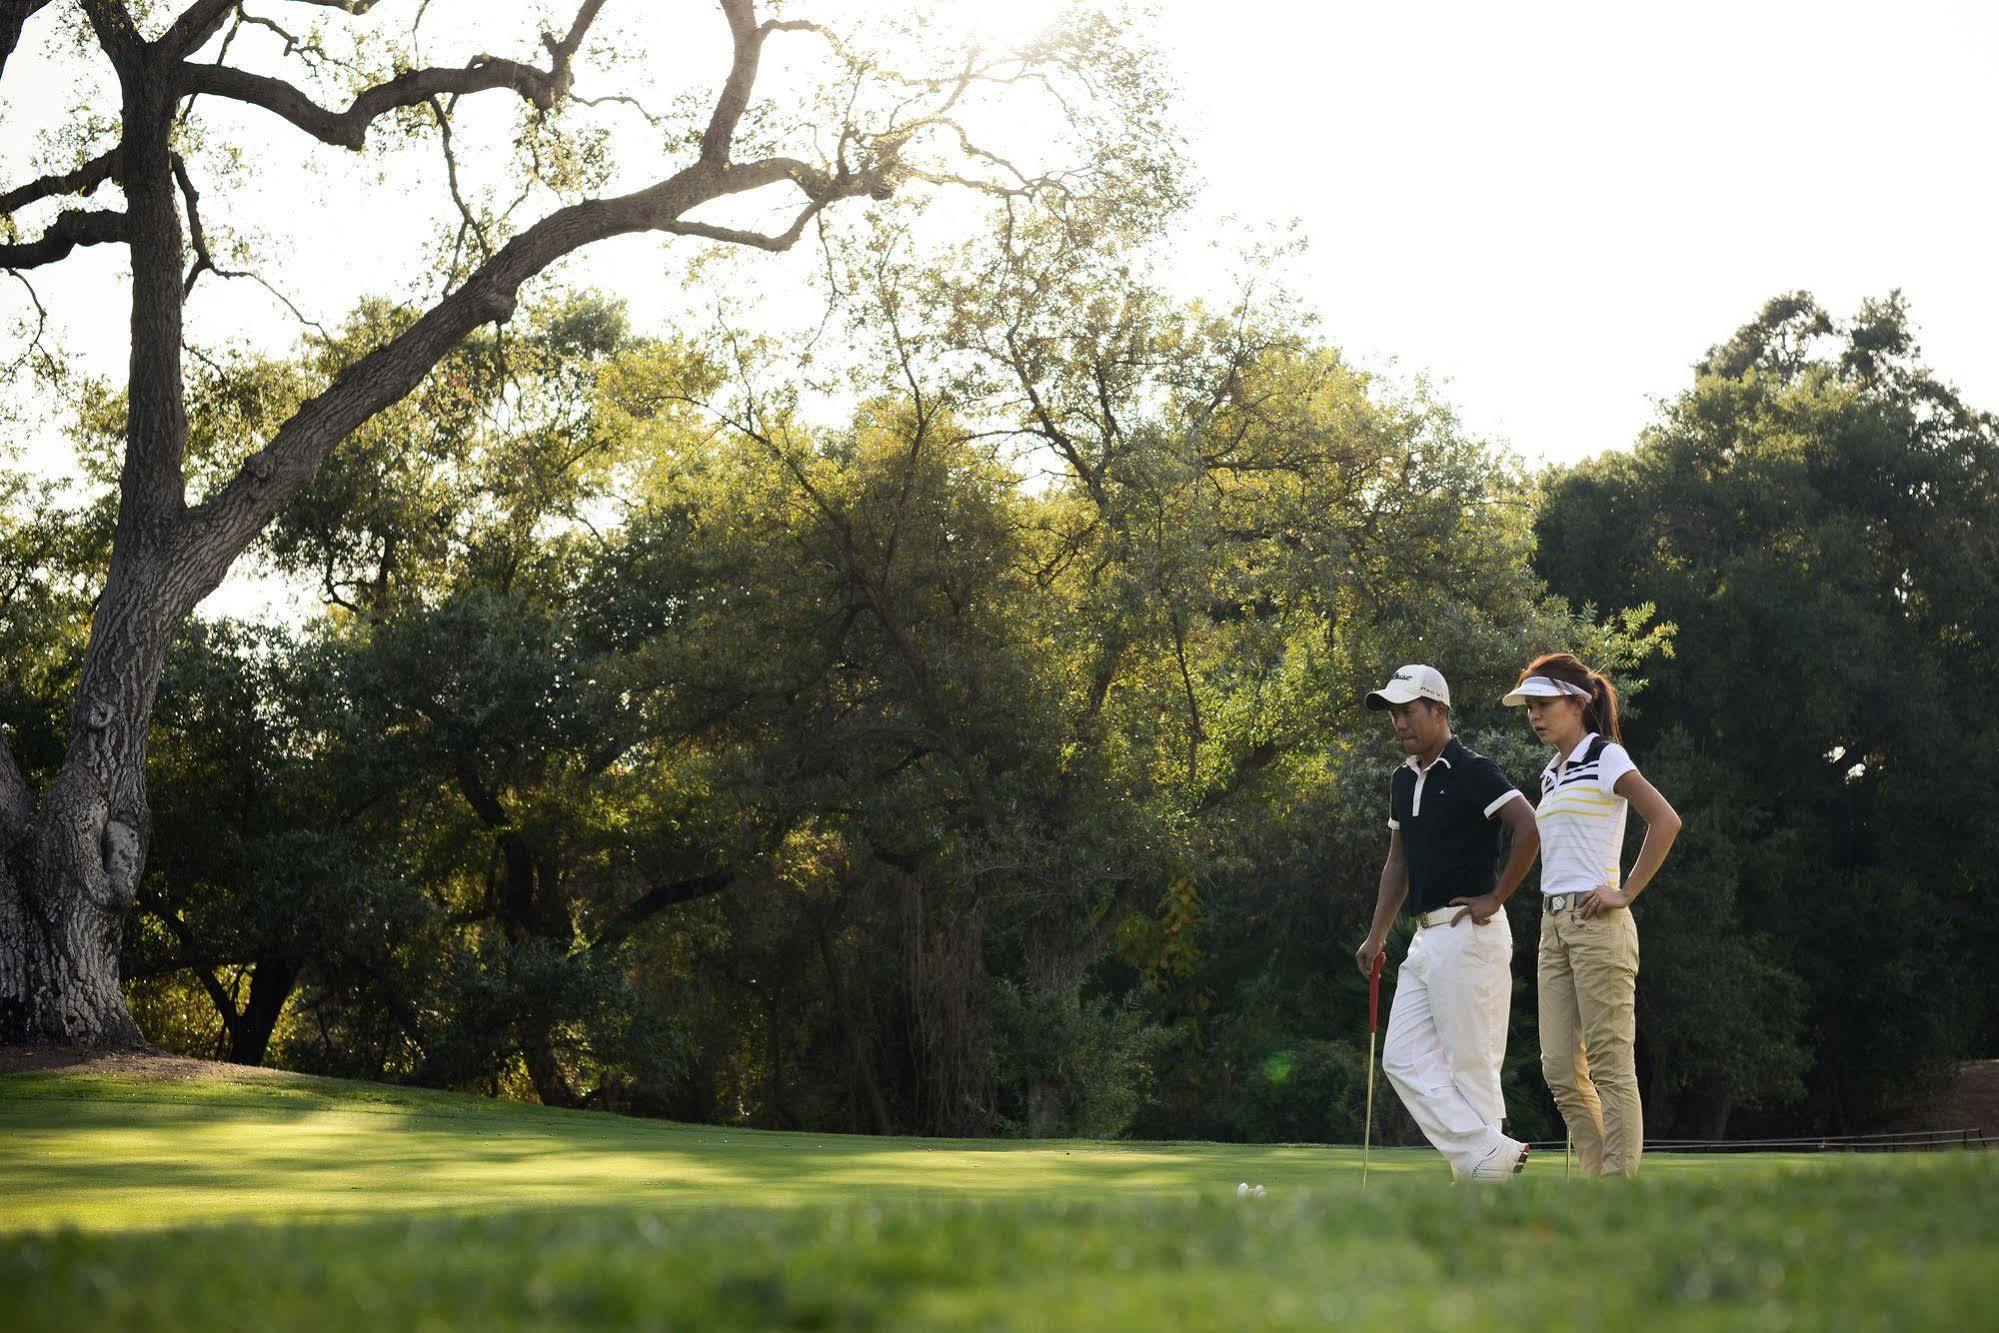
{"points": [[1447, 1035]]}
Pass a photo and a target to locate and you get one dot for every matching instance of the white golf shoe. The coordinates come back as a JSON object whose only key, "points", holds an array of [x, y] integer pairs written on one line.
{"points": [[1503, 1161]]}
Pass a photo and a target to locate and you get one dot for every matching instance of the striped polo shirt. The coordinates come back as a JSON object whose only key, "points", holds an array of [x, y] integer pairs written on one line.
{"points": [[1581, 818]]}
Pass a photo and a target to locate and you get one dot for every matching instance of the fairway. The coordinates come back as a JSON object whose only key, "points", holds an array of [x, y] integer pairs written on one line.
{"points": [[256, 1200], [115, 1153]]}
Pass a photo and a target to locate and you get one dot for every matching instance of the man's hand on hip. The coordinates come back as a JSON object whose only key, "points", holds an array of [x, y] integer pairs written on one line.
{"points": [[1480, 909]]}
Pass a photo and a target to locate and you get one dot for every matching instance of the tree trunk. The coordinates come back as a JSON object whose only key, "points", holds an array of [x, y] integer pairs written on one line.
{"points": [[72, 864], [1060, 956], [531, 913], [857, 1046], [64, 892], [1718, 1113], [551, 1084], [271, 984], [1659, 1109], [1047, 1115], [533, 916], [944, 951]]}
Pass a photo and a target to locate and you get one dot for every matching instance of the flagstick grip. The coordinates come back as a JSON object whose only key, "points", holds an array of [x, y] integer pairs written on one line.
{"points": [[1374, 997]]}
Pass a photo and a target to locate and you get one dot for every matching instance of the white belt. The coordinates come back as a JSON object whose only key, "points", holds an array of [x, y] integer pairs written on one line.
{"points": [[1440, 916]]}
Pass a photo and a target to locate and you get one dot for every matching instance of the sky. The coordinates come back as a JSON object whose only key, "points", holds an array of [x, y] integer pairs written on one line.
{"points": [[1559, 207], [1551, 209]]}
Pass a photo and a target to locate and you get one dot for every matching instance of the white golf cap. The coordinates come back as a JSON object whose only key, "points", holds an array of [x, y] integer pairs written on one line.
{"points": [[1543, 687], [1409, 683]]}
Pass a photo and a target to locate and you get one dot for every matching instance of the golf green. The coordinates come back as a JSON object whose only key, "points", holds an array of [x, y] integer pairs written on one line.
{"points": [[255, 1200]]}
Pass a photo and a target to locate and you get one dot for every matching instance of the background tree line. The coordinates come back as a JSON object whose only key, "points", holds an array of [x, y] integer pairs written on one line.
{"points": [[948, 723], [987, 758]]}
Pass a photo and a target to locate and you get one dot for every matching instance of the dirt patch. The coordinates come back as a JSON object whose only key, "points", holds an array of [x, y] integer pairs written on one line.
{"points": [[133, 1064]]}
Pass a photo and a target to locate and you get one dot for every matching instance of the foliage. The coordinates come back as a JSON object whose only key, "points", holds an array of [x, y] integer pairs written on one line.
{"points": [[989, 759], [1817, 514], [53, 545]]}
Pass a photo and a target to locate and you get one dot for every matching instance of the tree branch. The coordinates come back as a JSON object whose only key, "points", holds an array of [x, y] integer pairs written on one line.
{"points": [[118, 35], [621, 99], [14, 15], [469, 221], [16, 801], [319, 330], [782, 241], [349, 128], [222, 526], [36, 347], [735, 96], [193, 958], [656, 900], [1254, 761], [477, 794], [196, 24], [85, 179], [195, 236], [73, 227]]}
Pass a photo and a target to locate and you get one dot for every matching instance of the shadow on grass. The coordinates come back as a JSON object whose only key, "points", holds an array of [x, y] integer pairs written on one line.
{"points": [[128, 1161], [1873, 1244], [119, 1155]]}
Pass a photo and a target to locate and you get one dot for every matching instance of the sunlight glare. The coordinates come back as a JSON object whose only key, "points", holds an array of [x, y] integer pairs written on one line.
{"points": [[1008, 23]]}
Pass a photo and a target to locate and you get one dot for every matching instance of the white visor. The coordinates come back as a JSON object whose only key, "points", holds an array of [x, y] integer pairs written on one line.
{"points": [[1543, 687]]}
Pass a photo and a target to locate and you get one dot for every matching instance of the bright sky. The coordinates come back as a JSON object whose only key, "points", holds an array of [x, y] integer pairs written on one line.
{"points": [[1559, 207], [1552, 208]]}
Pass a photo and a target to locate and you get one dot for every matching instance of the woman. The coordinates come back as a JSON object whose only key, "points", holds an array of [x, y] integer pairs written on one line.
{"points": [[1588, 966]]}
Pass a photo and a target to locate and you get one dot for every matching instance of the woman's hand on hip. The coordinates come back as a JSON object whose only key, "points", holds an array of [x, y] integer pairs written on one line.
{"points": [[1599, 901]]}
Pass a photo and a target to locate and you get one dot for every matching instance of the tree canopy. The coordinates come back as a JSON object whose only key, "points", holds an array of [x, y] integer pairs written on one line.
{"points": [[947, 720], [1817, 516], [892, 103]]}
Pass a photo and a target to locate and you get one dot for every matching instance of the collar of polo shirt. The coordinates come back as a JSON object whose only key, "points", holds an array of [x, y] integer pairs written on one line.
{"points": [[1443, 757], [1582, 748]]}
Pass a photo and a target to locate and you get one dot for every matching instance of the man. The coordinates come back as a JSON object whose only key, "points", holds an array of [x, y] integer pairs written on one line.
{"points": [[1447, 1028]]}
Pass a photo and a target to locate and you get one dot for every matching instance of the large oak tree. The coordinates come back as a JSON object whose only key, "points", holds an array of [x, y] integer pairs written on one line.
{"points": [[884, 114]]}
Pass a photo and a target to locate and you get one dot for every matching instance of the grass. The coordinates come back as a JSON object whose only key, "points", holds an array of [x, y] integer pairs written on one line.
{"points": [[142, 1204]]}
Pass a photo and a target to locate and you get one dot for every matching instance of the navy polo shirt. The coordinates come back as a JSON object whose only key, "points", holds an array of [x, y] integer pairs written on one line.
{"points": [[1447, 815]]}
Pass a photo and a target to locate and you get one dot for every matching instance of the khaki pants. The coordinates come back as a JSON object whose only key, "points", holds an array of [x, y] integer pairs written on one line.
{"points": [[1588, 974]]}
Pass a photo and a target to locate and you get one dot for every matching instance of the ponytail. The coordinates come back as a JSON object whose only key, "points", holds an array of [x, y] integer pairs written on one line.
{"points": [[1600, 709], [1600, 713]]}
